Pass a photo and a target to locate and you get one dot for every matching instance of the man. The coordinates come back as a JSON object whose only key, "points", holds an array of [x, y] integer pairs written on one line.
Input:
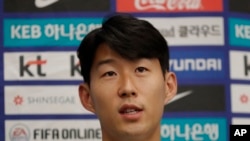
{"points": [[126, 78]]}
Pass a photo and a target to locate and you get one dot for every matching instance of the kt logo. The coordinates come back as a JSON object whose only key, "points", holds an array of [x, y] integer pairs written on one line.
{"points": [[75, 67], [247, 66], [25, 67]]}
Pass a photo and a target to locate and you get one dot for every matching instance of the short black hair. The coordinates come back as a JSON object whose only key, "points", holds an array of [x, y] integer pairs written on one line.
{"points": [[130, 37]]}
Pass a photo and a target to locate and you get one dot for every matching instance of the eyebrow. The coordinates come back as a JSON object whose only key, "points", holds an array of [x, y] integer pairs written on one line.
{"points": [[102, 62]]}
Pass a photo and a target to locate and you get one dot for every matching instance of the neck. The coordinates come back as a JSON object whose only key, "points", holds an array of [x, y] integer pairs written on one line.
{"points": [[133, 139], [144, 137]]}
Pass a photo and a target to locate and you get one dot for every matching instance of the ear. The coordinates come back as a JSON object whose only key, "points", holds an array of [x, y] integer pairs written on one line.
{"points": [[171, 86], [86, 99]]}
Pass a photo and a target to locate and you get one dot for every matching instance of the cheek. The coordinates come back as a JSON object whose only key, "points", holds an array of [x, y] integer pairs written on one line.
{"points": [[156, 85], [158, 98], [102, 97], [156, 92]]}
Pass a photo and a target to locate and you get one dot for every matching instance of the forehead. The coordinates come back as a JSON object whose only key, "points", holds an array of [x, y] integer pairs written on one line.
{"points": [[104, 55], [104, 52]]}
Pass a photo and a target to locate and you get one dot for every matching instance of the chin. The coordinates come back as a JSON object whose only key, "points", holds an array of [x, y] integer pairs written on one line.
{"points": [[134, 131]]}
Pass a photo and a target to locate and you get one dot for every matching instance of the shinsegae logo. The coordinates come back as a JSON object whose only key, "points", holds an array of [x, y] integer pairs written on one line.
{"points": [[240, 96], [18, 100], [244, 98], [30, 99]]}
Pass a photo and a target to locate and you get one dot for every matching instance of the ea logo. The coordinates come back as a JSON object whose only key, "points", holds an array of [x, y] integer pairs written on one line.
{"points": [[19, 132]]}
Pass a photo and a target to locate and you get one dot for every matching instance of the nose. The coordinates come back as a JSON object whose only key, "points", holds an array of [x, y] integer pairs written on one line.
{"points": [[127, 88]]}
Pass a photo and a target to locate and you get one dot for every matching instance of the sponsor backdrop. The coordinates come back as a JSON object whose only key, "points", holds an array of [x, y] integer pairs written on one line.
{"points": [[39, 72]]}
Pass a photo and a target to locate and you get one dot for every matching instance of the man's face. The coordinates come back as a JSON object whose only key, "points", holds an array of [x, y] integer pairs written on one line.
{"points": [[127, 96]]}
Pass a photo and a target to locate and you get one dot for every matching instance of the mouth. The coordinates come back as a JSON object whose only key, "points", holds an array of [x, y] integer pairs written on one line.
{"points": [[129, 109]]}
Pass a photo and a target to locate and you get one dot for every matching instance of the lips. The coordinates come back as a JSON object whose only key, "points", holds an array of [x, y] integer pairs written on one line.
{"points": [[129, 109], [131, 112]]}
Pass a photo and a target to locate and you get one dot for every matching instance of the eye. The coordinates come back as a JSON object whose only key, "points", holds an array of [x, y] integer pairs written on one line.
{"points": [[109, 74], [141, 69]]}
